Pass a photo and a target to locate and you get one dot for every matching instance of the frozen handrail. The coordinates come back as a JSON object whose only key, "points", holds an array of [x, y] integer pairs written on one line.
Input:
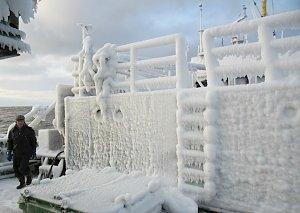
{"points": [[39, 114], [179, 59], [266, 47]]}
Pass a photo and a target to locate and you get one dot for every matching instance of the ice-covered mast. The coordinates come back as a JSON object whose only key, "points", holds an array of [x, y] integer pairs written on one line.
{"points": [[85, 29], [200, 50], [236, 39], [264, 8], [85, 70]]}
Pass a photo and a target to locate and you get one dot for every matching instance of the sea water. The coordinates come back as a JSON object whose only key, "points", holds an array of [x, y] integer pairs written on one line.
{"points": [[8, 115]]}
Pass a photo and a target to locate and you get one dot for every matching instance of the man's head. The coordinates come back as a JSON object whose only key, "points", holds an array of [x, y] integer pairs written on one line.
{"points": [[20, 120]]}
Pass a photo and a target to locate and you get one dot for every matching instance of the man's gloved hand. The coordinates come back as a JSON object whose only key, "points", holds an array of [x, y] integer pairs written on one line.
{"points": [[33, 156], [9, 155]]}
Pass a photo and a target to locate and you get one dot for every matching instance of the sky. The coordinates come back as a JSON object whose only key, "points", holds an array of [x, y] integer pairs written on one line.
{"points": [[54, 36]]}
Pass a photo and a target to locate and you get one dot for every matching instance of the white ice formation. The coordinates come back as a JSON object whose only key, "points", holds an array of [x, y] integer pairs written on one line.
{"points": [[23, 8], [94, 72], [84, 70], [15, 42], [106, 60]]}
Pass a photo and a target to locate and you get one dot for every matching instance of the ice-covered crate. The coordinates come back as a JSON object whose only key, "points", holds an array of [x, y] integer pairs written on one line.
{"points": [[50, 139]]}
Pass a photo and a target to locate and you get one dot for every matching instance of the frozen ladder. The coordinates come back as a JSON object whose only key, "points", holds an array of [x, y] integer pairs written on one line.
{"points": [[195, 165]]}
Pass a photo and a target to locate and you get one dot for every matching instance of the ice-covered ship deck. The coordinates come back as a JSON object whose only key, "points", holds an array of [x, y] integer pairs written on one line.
{"points": [[228, 147]]}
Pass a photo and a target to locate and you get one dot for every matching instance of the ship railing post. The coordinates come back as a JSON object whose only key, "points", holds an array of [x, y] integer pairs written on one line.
{"points": [[211, 61], [80, 87], [181, 63], [132, 69], [268, 54]]}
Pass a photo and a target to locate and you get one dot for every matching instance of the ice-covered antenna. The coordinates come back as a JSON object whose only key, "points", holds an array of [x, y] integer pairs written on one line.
{"points": [[200, 31], [244, 14], [86, 29]]}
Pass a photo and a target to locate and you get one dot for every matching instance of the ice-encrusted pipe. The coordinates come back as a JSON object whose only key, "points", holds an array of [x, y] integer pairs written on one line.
{"points": [[180, 162], [210, 134], [210, 61], [179, 131], [132, 69], [62, 91], [41, 114], [106, 60], [181, 63], [88, 63], [268, 54], [210, 150], [86, 72]]}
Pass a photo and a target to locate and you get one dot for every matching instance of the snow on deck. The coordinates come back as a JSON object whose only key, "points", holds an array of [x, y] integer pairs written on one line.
{"points": [[9, 195], [91, 190]]}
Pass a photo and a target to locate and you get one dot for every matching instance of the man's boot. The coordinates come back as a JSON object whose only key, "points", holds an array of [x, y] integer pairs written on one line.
{"points": [[28, 179], [22, 183]]}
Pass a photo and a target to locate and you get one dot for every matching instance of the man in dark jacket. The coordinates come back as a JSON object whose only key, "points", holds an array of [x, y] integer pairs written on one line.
{"points": [[22, 142]]}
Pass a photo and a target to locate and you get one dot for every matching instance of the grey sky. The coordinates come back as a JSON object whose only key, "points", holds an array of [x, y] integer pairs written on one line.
{"points": [[54, 36]]}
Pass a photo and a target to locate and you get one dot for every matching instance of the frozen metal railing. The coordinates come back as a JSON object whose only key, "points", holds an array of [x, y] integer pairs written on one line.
{"points": [[136, 64], [38, 113], [267, 48], [181, 80]]}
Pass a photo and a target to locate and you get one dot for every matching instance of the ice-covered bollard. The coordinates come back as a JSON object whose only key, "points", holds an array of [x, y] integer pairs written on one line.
{"points": [[27, 192], [65, 203], [153, 186], [120, 199]]}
